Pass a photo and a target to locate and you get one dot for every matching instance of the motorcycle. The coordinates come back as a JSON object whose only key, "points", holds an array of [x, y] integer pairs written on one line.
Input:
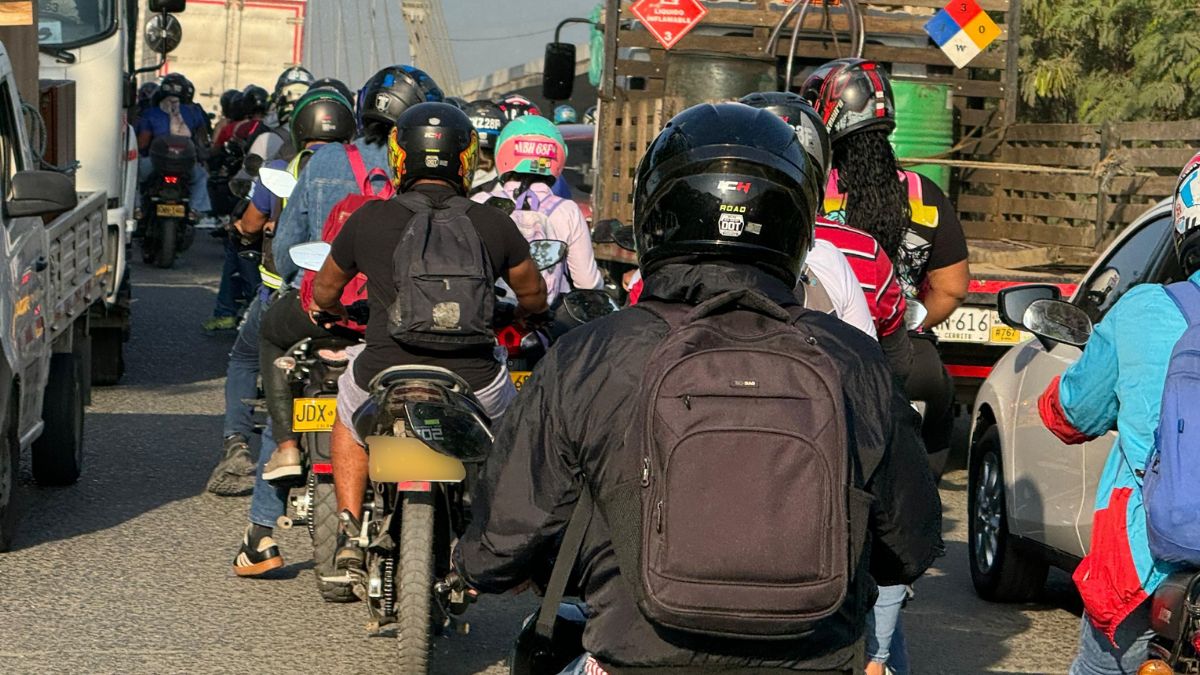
{"points": [[166, 223], [1175, 620]]}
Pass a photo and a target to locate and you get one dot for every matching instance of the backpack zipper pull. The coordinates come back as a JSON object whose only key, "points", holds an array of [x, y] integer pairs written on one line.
{"points": [[645, 472], [658, 516], [687, 401]]}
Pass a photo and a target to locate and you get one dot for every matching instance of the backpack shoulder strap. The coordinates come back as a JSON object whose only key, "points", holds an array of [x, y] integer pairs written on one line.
{"points": [[357, 165], [1186, 296], [415, 201], [568, 554], [554, 201]]}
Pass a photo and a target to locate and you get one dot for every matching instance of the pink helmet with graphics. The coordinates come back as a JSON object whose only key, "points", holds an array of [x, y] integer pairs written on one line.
{"points": [[531, 145]]}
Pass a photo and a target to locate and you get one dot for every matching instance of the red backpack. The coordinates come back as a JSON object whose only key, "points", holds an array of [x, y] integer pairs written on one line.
{"points": [[356, 290]]}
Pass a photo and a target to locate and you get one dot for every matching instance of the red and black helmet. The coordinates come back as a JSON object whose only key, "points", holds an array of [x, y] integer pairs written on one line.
{"points": [[851, 95]]}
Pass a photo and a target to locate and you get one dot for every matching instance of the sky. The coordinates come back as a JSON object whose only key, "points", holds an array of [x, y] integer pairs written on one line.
{"points": [[486, 35]]}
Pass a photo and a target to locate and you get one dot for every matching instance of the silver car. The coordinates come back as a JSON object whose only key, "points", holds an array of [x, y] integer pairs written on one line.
{"points": [[1031, 496]]}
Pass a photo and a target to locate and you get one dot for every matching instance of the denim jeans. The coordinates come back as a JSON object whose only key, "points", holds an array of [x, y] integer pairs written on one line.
{"points": [[1098, 656], [241, 377], [267, 502], [885, 637], [239, 280]]}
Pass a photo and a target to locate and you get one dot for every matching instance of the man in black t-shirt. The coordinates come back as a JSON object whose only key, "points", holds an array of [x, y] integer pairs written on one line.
{"points": [[432, 151]]}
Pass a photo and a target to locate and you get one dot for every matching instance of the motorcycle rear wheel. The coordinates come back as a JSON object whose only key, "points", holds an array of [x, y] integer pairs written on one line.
{"points": [[168, 233], [323, 515], [414, 588]]}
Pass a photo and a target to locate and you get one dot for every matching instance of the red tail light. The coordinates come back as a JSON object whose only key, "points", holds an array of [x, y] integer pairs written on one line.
{"points": [[170, 180], [1196, 641], [510, 338]]}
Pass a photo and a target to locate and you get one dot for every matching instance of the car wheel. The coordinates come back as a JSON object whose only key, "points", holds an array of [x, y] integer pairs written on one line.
{"points": [[1000, 570]]}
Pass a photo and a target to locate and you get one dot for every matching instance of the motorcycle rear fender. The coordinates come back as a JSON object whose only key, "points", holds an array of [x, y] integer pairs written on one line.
{"points": [[401, 460]]}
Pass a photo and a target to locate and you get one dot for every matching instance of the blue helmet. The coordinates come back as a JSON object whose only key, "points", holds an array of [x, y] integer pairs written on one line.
{"points": [[393, 90], [565, 114]]}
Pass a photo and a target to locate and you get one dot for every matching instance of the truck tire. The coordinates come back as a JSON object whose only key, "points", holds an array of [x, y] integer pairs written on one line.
{"points": [[10, 463], [324, 514], [58, 453], [1000, 571], [108, 355], [168, 235]]}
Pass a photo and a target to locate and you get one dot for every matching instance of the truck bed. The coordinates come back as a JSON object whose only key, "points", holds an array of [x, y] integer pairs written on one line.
{"points": [[78, 271]]}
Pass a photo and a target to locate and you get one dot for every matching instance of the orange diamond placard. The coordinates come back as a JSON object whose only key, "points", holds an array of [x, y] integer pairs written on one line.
{"points": [[668, 20]]}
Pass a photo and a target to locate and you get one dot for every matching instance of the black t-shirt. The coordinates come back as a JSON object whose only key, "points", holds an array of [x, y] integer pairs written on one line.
{"points": [[366, 244], [934, 238]]}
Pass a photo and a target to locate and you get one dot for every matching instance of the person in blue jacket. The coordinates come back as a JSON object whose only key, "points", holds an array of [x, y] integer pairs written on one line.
{"points": [[1118, 384]]}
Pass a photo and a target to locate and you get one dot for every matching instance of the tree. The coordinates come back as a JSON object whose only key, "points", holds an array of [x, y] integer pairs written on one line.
{"points": [[1110, 60]]}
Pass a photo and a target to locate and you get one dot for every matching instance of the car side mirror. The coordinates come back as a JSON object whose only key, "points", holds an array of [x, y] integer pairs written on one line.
{"points": [[167, 5], [39, 193], [1012, 302], [1057, 321], [558, 71]]}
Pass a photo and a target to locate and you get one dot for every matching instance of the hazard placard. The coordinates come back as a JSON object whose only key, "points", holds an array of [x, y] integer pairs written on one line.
{"points": [[668, 20], [962, 30]]}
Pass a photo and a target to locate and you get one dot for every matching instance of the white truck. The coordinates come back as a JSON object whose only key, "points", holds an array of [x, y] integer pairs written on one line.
{"points": [[56, 265]]}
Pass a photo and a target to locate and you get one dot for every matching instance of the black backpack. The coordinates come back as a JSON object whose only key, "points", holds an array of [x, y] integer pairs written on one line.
{"points": [[443, 278], [746, 476]]}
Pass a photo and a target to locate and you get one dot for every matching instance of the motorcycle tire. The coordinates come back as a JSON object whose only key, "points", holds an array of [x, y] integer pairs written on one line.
{"points": [[414, 588], [323, 512], [164, 254]]}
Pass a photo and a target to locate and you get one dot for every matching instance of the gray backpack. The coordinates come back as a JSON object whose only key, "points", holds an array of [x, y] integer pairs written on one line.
{"points": [[443, 277]]}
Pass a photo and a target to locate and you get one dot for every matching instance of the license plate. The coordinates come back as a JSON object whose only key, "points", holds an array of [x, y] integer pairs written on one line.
{"points": [[313, 414], [975, 324], [519, 377], [171, 210]]}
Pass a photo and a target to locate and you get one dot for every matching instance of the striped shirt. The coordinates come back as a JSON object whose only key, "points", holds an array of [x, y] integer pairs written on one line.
{"points": [[874, 270]]}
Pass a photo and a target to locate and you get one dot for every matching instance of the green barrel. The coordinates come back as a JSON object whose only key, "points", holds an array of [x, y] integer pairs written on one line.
{"points": [[924, 126]]}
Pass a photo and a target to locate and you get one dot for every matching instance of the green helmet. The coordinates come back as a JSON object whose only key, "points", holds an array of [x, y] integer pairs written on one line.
{"points": [[533, 145]]}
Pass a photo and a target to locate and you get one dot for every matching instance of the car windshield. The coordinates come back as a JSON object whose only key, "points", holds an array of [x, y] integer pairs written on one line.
{"points": [[74, 22], [578, 171]]}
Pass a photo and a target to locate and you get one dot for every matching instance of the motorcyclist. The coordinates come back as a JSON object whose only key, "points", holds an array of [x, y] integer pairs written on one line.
{"points": [[566, 432], [514, 105], [1117, 384], [530, 156], [565, 114], [871, 266], [227, 117], [320, 117], [366, 244], [326, 180], [173, 114], [489, 121], [289, 87]]}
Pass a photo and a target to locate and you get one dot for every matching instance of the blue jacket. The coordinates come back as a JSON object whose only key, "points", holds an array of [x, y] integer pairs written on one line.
{"points": [[1117, 384], [324, 182]]}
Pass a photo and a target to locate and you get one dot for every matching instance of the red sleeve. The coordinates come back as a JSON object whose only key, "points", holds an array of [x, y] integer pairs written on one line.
{"points": [[889, 303], [1055, 418], [635, 292]]}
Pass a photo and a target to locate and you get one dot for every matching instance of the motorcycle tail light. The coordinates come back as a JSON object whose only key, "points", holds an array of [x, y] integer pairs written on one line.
{"points": [[1196, 642], [1155, 667], [170, 180], [509, 338]]}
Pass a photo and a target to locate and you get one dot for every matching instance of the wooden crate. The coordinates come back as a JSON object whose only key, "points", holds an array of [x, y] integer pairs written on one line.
{"points": [[630, 117]]}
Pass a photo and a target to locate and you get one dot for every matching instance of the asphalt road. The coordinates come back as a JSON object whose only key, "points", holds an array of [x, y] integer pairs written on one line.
{"points": [[130, 570]]}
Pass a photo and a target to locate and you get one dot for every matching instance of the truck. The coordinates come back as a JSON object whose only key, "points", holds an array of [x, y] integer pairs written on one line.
{"points": [[1036, 201], [92, 41], [57, 264]]}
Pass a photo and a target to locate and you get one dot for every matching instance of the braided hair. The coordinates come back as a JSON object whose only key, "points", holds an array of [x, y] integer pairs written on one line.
{"points": [[876, 199]]}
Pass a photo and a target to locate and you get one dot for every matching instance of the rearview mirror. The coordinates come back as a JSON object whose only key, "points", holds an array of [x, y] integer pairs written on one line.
{"points": [[547, 253], [1057, 321], [167, 5], [310, 256], [277, 181], [558, 71], [163, 33], [38, 193], [914, 314], [1012, 302]]}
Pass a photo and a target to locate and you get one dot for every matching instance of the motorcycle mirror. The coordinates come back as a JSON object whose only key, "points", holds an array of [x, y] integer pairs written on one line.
{"points": [[310, 256], [547, 253], [914, 314], [1058, 321], [279, 182], [613, 231]]}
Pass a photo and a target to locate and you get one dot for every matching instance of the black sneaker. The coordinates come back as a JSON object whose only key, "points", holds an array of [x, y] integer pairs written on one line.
{"points": [[258, 554], [234, 474]]}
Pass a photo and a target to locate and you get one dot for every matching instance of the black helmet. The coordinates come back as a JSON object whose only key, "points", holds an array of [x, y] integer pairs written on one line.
{"points": [[393, 90], [293, 75], [290, 86], [175, 85], [334, 84], [726, 182], [146, 92], [255, 100], [793, 109], [322, 115], [489, 121], [851, 95], [515, 105], [457, 101], [433, 140], [227, 99]]}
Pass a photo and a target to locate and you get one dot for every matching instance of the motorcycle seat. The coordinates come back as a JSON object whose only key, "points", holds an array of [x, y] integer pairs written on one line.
{"points": [[396, 374]]}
